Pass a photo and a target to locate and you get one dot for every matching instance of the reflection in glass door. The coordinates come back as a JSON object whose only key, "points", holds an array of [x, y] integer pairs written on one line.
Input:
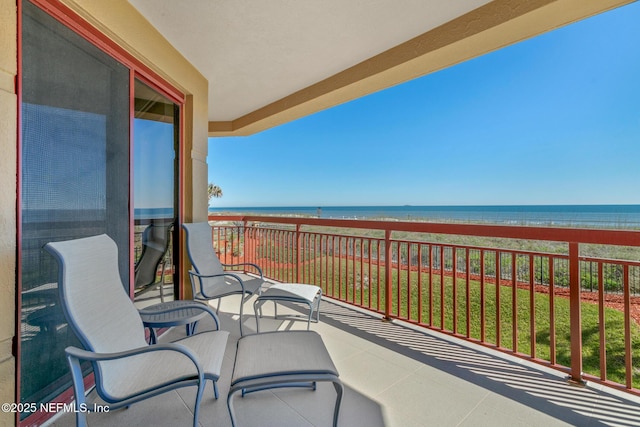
{"points": [[155, 195], [74, 182]]}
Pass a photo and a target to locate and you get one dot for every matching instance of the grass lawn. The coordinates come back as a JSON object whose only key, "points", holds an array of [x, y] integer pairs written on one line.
{"points": [[498, 310]]}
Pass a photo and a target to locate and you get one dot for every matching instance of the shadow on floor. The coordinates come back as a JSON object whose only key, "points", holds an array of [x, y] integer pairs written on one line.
{"points": [[539, 390]]}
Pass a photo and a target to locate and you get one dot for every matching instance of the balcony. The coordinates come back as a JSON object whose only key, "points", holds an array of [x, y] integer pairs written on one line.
{"points": [[412, 346], [544, 294], [394, 375]]}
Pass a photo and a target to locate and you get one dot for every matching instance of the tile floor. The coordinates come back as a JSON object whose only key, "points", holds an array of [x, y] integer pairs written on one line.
{"points": [[394, 376]]}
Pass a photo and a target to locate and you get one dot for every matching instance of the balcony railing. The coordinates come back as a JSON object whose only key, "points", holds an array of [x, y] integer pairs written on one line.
{"points": [[576, 313]]}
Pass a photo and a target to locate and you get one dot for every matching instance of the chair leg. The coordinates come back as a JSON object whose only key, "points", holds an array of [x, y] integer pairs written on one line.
{"points": [[260, 306], [242, 301], [310, 315], [191, 328], [162, 283], [153, 338], [339, 391], [78, 390], [257, 305], [318, 306], [215, 389], [196, 409], [232, 413]]}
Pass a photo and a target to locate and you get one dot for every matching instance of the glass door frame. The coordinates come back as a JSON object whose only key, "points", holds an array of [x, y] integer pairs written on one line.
{"points": [[137, 70], [178, 185]]}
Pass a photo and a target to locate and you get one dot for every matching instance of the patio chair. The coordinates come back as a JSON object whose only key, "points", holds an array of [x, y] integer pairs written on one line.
{"points": [[155, 242], [106, 322], [213, 281]]}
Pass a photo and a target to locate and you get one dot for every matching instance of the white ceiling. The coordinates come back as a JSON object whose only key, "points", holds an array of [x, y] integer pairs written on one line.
{"points": [[255, 52]]}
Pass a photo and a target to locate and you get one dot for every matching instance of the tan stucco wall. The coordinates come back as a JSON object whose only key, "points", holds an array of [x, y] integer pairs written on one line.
{"points": [[8, 132]]}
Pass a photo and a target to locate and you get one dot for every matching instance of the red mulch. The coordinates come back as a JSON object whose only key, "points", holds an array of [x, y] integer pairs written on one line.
{"points": [[615, 301]]}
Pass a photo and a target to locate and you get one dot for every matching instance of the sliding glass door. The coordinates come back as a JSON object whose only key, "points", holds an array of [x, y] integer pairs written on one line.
{"points": [[97, 156], [155, 194], [74, 180]]}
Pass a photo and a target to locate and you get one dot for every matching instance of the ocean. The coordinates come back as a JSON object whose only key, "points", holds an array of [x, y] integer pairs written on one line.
{"points": [[594, 216]]}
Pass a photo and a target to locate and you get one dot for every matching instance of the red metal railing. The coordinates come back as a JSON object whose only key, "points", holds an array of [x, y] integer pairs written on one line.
{"points": [[525, 302]]}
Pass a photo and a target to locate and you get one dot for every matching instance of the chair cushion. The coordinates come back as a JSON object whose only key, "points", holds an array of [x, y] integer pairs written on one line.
{"points": [[134, 375], [294, 291], [281, 353], [96, 303], [200, 249]]}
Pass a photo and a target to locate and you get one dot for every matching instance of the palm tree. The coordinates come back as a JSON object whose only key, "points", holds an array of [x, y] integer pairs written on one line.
{"points": [[214, 191]]}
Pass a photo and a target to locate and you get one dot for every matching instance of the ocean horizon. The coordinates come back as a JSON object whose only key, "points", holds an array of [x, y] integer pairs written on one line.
{"points": [[593, 216], [607, 216]]}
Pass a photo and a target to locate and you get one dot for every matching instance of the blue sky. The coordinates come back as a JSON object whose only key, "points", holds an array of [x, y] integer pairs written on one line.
{"points": [[551, 120], [153, 164]]}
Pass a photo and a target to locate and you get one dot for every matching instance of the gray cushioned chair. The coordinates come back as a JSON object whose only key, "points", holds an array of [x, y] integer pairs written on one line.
{"points": [[102, 315], [209, 279]]}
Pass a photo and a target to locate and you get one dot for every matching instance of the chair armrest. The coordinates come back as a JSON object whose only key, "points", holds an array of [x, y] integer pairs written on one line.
{"points": [[91, 356], [193, 274], [75, 354], [197, 305], [246, 263]]}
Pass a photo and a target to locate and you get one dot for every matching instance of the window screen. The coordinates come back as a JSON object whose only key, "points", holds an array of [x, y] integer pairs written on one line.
{"points": [[74, 180]]}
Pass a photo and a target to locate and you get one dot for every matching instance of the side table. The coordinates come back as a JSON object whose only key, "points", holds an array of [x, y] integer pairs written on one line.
{"points": [[175, 313]]}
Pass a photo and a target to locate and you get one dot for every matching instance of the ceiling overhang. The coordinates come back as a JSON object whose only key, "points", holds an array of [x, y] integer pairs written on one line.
{"points": [[250, 90]]}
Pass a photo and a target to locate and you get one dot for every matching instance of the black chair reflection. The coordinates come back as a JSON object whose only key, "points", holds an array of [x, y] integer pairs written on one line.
{"points": [[155, 242]]}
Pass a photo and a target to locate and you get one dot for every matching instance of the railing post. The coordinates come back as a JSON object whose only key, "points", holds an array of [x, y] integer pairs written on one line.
{"points": [[387, 274], [628, 350], [244, 241], [575, 319], [298, 241]]}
